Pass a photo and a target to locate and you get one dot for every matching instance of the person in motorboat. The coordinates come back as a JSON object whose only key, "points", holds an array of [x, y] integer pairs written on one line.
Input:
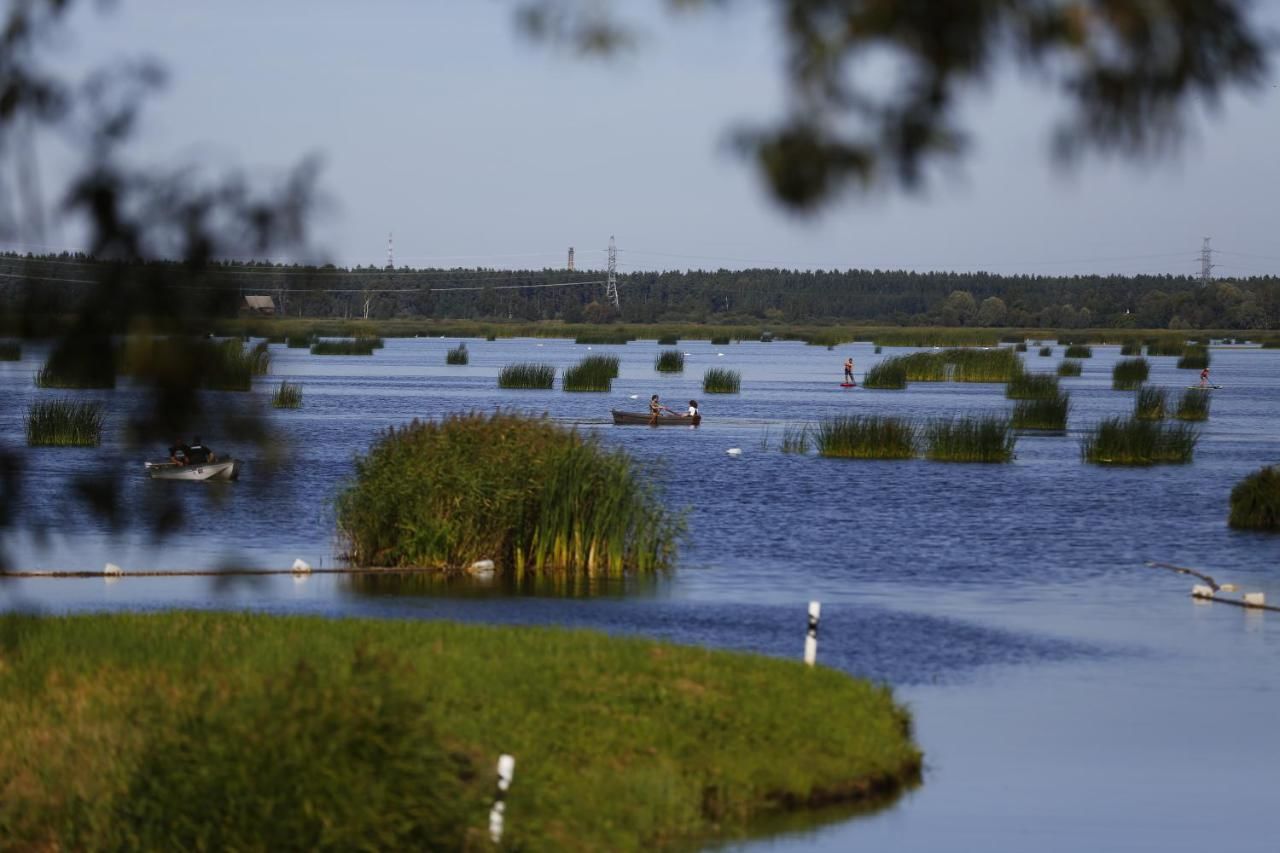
{"points": [[692, 414], [179, 453], [198, 454]]}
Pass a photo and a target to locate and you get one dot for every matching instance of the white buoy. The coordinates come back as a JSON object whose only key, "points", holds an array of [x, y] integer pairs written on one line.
{"points": [[301, 567], [506, 770], [735, 452], [481, 569], [634, 397], [811, 635], [1255, 599], [1229, 587], [720, 355], [1201, 590], [112, 570]]}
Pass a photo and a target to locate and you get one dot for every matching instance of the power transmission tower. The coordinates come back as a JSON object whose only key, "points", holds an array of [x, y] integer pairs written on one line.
{"points": [[1206, 263], [611, 285], [391, 254], [570, 259]]}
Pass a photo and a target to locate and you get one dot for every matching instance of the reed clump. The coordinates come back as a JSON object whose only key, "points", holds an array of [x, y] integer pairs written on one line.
{"points": [[532, 496], [343, 346], [925, 367], [720, 340], [540, 377], [1150, 404], [970, 438], [64, 423], [604, 336], [1131, 347], [719, 380], [867, 437], [225, 365], [669, 361], [999, 364], [889, 374], [1069, 367], [1166, 346], [10, 351], [1129, 441], [593, 373], [668, 341], [1020, 346], [1255, 501], [1194, 358], [1046, 352], [1078, 351], [1042, 414], [1032, 386], [457, 355], [287, 396], [795, 439], [76, 369], [1193, 405], [298, 341], [1129, 373]]}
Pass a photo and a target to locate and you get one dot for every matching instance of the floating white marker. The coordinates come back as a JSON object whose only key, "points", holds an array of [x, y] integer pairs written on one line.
{"points": [[482, 569], [1255, 599], [1229, 587], [720, 354], [506, 769], [1201, 591], [111, 569], [301, 567], [735, 452], [635, 397], [811, 636]]}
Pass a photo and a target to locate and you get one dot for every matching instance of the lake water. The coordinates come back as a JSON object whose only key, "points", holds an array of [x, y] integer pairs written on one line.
{"points": [[1066, 696]]}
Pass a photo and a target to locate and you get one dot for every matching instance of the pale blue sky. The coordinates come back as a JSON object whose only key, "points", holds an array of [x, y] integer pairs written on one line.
{"points": [[439, 122]]}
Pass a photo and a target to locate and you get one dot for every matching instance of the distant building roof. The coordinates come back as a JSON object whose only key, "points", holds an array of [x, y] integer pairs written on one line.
{"points": [[260, 303]]}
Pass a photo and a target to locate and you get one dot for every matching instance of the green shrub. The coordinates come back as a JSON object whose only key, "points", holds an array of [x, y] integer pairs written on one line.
{"points": [[969, 439], [889, 374], [593, 373], [1129, 373], [1068, 367], [1193, 406], [530, 495], [10, 351], [1032, 386], [1120, 441], [64, 423], [1255, 501], [1150, 404], [1042, 414], [669, 361], [718, 380], [287, 396], [1078, 351], [352, 346], [457, 355], [1194, 358], [867, 437], [537, 376]]}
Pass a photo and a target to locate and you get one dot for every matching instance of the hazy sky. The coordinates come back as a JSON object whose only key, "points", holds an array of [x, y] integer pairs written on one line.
{"points": [[439, 122]]}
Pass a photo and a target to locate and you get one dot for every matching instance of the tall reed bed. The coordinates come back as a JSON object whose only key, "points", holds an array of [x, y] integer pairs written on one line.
{"points": [[669, 361], [1020, 346], [867, 437], [970, 438], [1166, 346], [1193, 405], [1129, 441], [1078, 351], [925, 367], [343, 346], [1129, 373], [593, 373], [532, 496], [720, 340], [1042, 414], [1131, 347], [936, 337], [1032, 386], [1150, 404], [64, 423], [457, 355], [1000, 364], [541, 377], [225, 365], [76, 368], [718, 380], [604, 336], [668, 341], [890, 374], [1255, 501], [1069, 367], [10, 351], [1194, 358], [287, 396]]}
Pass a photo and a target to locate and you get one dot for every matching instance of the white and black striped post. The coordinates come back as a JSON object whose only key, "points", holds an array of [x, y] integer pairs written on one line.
{"points": [[506, 769], [811, 637]]}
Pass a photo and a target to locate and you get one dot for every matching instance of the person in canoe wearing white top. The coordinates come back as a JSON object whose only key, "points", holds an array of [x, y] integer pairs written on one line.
{"points": [[692, 414]]}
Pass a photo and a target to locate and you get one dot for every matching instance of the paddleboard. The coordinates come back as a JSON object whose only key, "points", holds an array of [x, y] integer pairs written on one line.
{"points": [[848, 384], [1206, 387]]}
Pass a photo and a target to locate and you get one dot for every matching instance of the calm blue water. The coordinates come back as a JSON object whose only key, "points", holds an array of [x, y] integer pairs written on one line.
{"points": [[1066, 697]]}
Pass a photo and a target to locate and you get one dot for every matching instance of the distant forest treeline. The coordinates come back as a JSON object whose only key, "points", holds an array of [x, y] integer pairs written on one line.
{"points": [[55, 284]]}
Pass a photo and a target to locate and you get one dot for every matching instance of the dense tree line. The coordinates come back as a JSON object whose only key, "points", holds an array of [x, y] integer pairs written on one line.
{"points": [[56, 284]]}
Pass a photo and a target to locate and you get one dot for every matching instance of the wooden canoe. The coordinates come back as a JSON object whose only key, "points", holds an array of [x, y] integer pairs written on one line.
{"points": [[642, 419]]}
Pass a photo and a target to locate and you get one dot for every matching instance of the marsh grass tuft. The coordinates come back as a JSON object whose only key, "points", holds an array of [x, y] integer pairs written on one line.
{"points": [[1131, 347], [457, 355], [343, 346], [287, 396], [540, 377], [1166, 346], [1042, 414], [530, 495], [593, 373], [719, 380], [925, 367], [1129, 441], [1078, 351], [1020, 346], [999, 364], [720, 340], [1150, 404], [889, 374], [1032, 386], [969, 438], [795, 439], [604, 336], [1068, 367], [1194, 358], [1255, 501], [867, 437], [64, 423], [10, 351], [298, 341], [1129, 373], [1193, 405], [669, 361]]}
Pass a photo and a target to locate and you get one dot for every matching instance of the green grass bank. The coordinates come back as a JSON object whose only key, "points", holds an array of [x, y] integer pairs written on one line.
{"points": [[241, 731]]}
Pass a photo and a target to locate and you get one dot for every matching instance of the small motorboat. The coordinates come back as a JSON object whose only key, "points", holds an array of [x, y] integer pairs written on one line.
{"points": [[224, 469], [643, 419]]}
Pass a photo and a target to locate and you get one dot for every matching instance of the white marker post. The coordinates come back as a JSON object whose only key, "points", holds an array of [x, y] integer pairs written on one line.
{"points": [[811, 638], [506, 769]]}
